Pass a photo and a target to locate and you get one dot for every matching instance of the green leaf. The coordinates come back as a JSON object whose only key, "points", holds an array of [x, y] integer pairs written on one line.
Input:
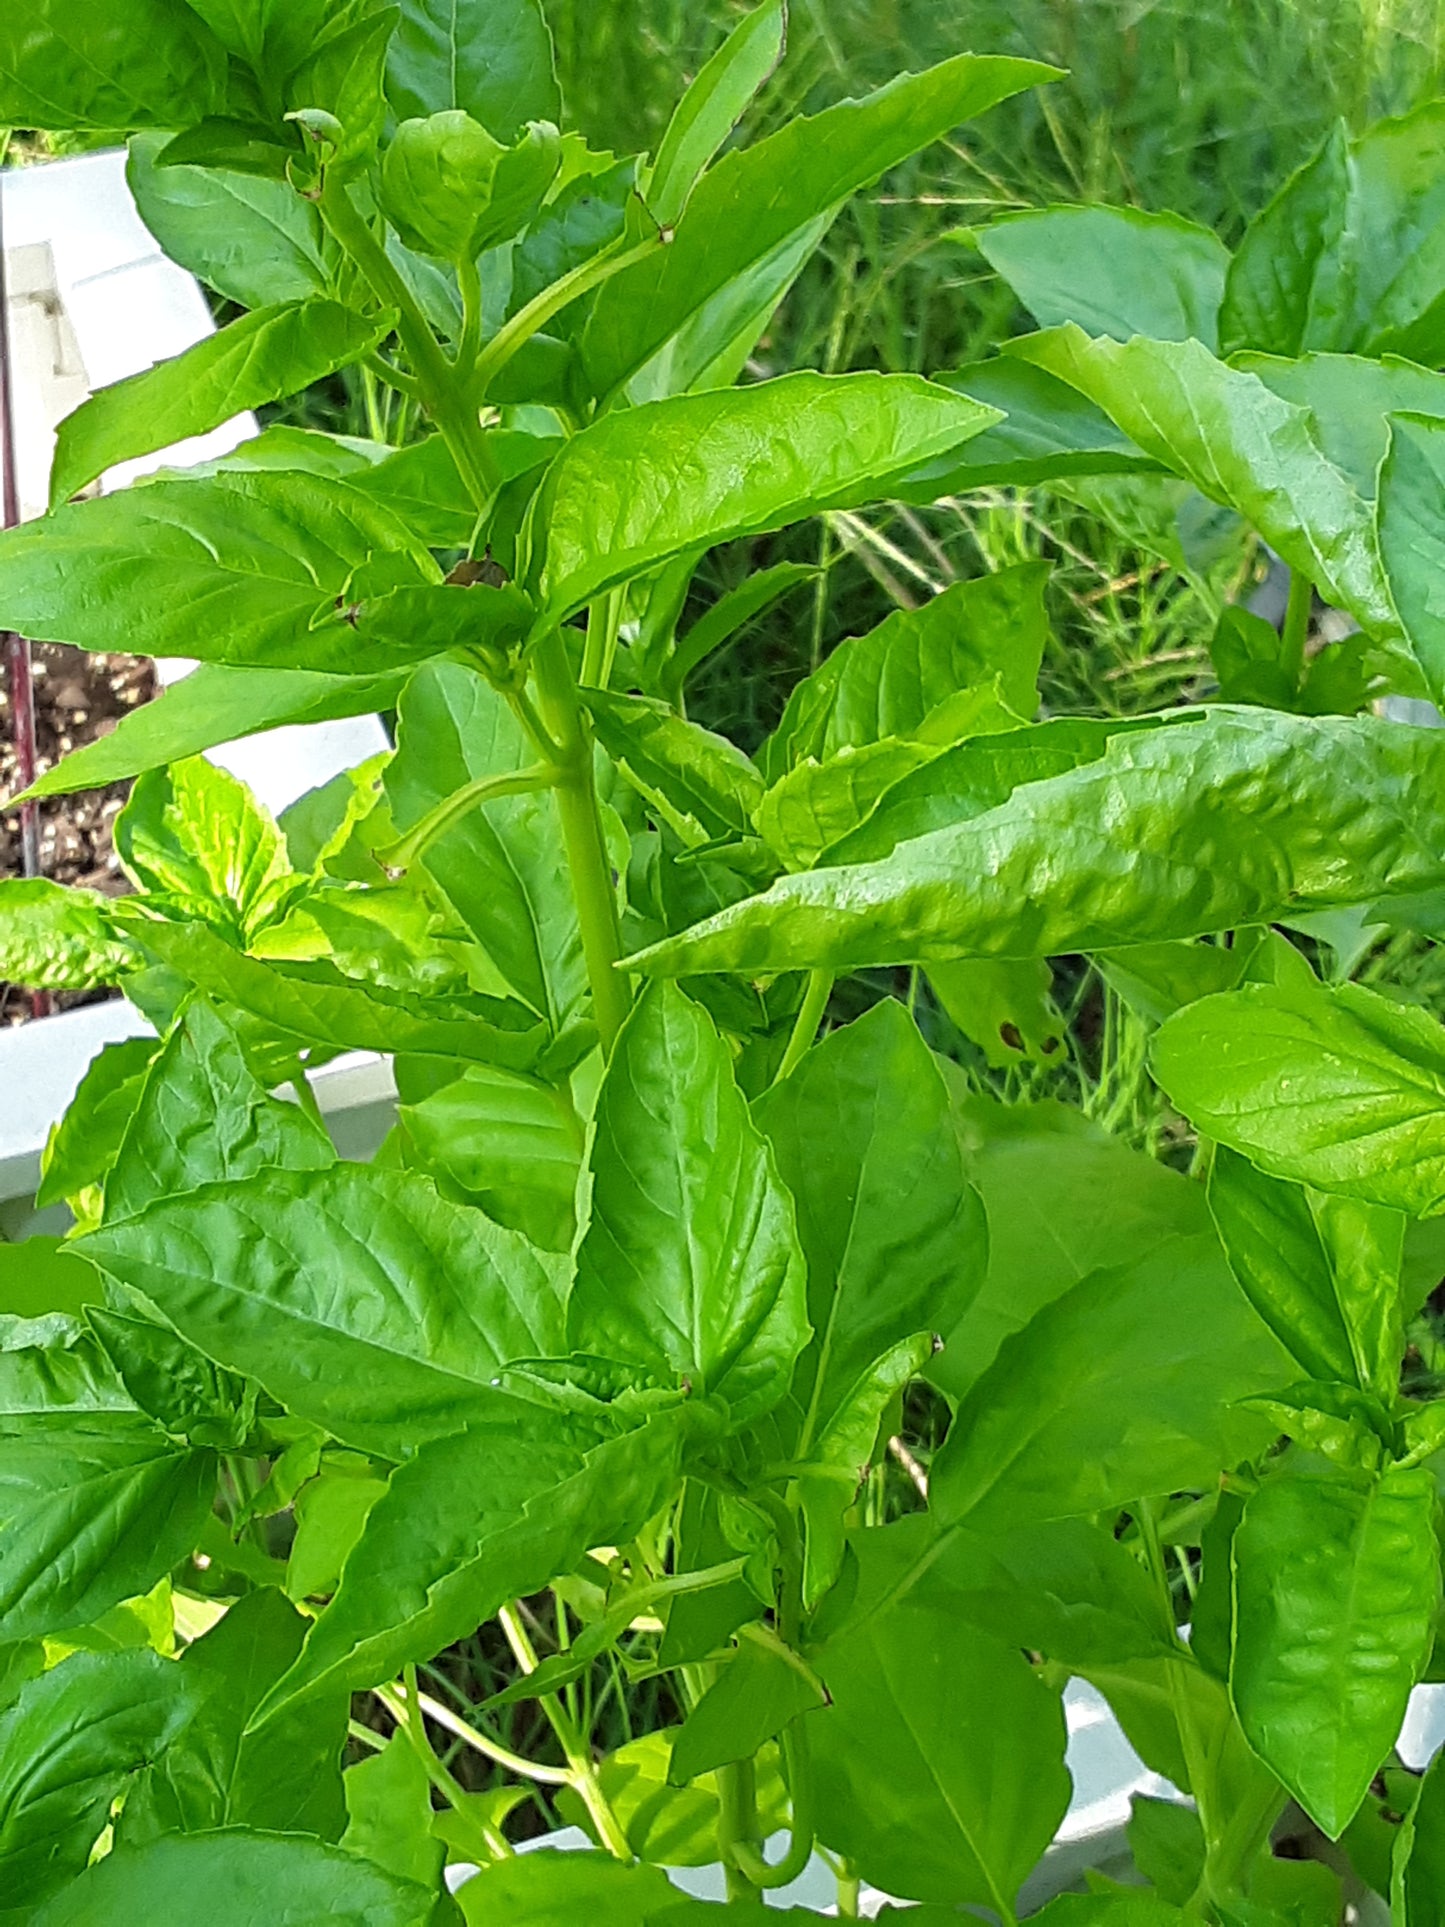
{"points": [[216, 704], [689, 1267], [342, 79], [331, 1511], [358, 1297], [1167, 1842], [484, 1515], [939, 1762], [334, 1012], [92, 69], [1269, 290], [195, 834], [1110, 1910], [436, 176], [892, 1231], [1420, 1853], [244, 1877], [1322, 1272], [1113, 270], [513, 1144], [52, 1364], [1141, 1363], [253, 240], [95, 1507], [203, 1117], [217, 1775], [261, 358], [1337, 1087], [781, 191], [171, 1382], [388, 1803], [1007, 1009], [492, 58], [730, 613], [40, 1275], [1410, 541], [233, 568], [539, 1889], [1042, 874], [1337, 1584], [892, 681], [696, 772], [501, 867], [1050, 433], [1067, 1589], [642, 484], [1347, 256], [57, 938], [68, 1745], [759, 1691], [1061, 1202], [82, 1148], [712, 107], [1239, 444], [1249, 660], [818, 805], [667, 1825], [1351, 401]]}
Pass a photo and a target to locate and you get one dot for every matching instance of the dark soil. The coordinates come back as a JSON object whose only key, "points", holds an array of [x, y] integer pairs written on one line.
{"points": [[78, 697]]}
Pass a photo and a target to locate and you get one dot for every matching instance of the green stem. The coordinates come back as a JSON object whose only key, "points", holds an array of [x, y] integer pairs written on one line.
{"points": [[1295, 633], [747, 1858], [586, 847], [815, 1002], [437, 821], [413, 1724], [436, 381], [551, 301], [305, 1096], [469, 280], [604, 619], [737, 1825], [489, 1748], [582, 1770]]}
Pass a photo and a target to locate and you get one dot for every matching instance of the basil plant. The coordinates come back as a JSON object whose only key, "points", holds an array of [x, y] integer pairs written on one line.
{"points": [[625, 1309]]}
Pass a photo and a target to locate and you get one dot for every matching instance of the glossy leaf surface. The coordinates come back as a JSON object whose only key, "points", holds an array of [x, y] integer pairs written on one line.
{"points": [[1336, 1087], [1337, 1583], [939, 1762], [95, 1506], [755, 202], [492, 58], [57, 938], [426, 1299], [689, 1267], [1239, 444], [261, 358], [233, 568], [472, 1520], [286, 1880], [1163, 835], [68, 1746], [643, 484], [91, 69], [202, 1117]]}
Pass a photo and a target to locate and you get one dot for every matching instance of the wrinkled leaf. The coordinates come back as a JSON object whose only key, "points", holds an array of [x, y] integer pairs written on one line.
{"points": [[358, 1297]]}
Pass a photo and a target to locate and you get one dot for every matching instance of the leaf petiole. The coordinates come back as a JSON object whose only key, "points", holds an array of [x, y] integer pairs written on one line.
{"points": [[435, 824]]}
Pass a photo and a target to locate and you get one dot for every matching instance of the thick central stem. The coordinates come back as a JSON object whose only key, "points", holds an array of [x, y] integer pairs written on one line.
{"points": [[587, 859]]}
